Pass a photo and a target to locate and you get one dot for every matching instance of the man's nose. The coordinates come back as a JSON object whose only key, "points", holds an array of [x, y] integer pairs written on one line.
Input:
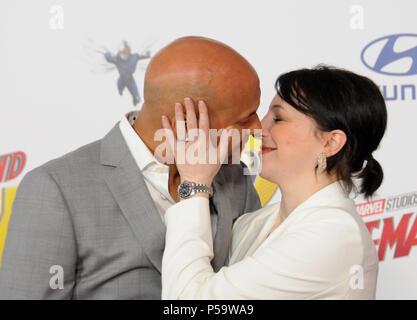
{"points": [[255, 125]]}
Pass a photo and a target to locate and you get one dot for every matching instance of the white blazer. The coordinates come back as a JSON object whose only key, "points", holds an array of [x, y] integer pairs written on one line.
{"points": [[322, 250]]}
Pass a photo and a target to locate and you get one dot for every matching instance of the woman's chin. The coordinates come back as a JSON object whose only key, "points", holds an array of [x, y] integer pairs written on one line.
{"points": [[264, 175]]}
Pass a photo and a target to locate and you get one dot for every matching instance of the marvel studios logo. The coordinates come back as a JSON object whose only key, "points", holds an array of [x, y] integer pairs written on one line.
{"points": [[398, 202]]}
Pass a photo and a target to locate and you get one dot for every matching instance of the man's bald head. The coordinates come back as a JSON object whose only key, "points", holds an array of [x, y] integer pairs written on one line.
{"points": [[201, 69]]}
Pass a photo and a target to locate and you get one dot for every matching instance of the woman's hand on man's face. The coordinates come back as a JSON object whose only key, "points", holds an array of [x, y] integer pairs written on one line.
{"points": [[194, 146]]}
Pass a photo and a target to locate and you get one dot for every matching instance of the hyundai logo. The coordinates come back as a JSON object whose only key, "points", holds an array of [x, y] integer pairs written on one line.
{"points": [[394, 55]]}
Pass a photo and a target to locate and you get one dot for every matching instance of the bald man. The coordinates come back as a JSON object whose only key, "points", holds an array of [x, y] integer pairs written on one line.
{"points": [[90, 225]]}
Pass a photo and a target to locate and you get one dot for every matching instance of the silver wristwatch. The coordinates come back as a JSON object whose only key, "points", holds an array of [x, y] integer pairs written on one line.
{"points": [[187, 188]]}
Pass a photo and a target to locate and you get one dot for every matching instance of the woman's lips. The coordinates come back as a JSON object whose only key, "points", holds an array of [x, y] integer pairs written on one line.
{"points": [[267, 149]]}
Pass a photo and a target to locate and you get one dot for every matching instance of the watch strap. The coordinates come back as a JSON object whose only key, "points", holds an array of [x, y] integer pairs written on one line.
{"points": [[200, 187]]}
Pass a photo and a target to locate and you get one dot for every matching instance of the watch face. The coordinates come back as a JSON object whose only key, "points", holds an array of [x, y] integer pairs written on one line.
{"points": [[184, 190]]}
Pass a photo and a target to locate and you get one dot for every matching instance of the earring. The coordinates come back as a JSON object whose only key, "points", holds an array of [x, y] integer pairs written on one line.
{"points": [[322, 161]]}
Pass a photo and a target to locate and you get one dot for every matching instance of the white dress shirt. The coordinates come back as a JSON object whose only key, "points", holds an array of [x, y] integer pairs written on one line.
{"points": [[156, 174], [322, 250]]}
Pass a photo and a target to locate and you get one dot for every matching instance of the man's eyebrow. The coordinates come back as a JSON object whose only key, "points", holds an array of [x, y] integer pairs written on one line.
{"points": [[250, 114]]}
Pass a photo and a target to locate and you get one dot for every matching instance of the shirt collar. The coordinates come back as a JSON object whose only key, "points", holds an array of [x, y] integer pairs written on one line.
{"points": [[140, 152]]}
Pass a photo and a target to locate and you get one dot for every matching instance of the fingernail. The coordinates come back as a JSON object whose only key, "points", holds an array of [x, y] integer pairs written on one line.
{"points": [[187, 98]]}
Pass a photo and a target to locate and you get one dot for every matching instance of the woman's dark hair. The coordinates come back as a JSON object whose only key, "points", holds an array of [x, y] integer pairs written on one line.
{"points": [[340, 99]]}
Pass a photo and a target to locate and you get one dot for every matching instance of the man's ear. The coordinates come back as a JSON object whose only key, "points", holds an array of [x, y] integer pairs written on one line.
{"points": [[335, 140]]}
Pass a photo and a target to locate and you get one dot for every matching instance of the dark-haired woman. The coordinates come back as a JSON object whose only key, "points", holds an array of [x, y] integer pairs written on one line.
{"points": [[320, 131]]}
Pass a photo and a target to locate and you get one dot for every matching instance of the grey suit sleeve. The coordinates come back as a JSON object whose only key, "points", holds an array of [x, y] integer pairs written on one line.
{"points": [[40, 241]]}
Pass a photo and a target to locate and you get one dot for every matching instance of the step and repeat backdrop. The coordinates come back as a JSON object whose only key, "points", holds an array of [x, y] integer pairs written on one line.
{"points": [[61, 85]]}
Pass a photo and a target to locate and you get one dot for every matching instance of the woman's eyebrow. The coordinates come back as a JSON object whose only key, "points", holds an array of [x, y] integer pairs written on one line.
{"points": [[278, 106]]}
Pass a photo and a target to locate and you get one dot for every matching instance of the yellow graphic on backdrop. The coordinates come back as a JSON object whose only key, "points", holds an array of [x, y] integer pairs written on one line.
{"points": [[7, 198], [265, 188]]}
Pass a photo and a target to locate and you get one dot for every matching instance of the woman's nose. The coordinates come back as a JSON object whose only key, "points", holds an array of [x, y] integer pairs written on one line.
{"points": [[265, 125], [265, 122]]}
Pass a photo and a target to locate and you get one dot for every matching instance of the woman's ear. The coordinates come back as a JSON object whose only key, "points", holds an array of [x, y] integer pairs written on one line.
{"points": [[335, 140]]}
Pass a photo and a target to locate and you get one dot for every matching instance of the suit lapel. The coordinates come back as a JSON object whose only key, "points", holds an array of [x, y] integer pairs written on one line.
{"points": [[129, 189], [225, 217]]}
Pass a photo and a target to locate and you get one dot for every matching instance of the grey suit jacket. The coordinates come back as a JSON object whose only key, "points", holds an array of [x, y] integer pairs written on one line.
{"points": [[90, 215]]}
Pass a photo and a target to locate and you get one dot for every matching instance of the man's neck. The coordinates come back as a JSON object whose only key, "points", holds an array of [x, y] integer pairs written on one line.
{"points": [[146, 134]]}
